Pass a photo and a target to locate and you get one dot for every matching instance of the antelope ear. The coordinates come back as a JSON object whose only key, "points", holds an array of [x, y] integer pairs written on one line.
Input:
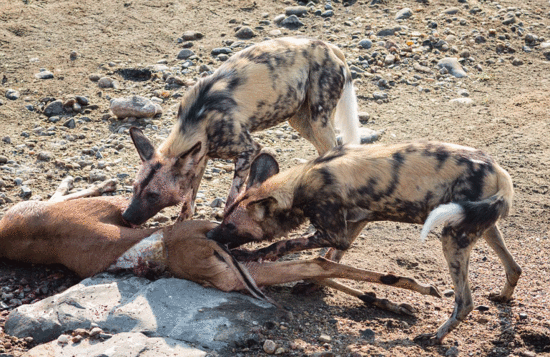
{"points": [[144, 147], [263, 167]]}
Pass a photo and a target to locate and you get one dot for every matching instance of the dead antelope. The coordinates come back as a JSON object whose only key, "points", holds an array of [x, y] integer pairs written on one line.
{"points": [[306, 82], [89, 235], [427, 183]]}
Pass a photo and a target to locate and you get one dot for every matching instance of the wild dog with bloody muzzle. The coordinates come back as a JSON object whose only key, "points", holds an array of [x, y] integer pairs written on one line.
{"points": [[426, 183], [306, 82]]}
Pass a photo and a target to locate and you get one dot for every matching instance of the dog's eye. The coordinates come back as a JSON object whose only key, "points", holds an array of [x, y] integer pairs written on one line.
{"points": [[152, 196]]}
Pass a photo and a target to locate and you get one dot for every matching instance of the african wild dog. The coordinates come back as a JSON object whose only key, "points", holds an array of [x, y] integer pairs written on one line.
{"points": [[349, 186], [88, 236], [306, 82]]}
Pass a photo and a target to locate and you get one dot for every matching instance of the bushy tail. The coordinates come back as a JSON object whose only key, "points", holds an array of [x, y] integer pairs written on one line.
{"points": [[347, 116], [474, 216]]}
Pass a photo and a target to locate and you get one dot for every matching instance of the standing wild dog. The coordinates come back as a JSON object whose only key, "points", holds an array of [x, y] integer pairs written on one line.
{"points": [[341, 191], [306, 82]]}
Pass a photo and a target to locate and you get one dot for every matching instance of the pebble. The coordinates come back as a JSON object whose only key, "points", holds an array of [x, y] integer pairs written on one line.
{"points": [[269, 347], [368, 334], [325, 338], [245, 33], [94, 77], [517, 62], [296, 10], [452, 11], [185, 54], [380, 95], [221, 50], [389, 60], [95, 331], [223, 57], [134, 106], [192, 36], [63, 339], [522, 315], [44, 75], [44, 156], [3, 159], [26, 192], [482, 308], [388, 31], [279, 18], [70, 124], [452, 65], [217, 202], [418, 67], [292, 22], [97, 175], [403, 14], [462, 100], [449, 293], [106, 82], [464, 93], [328, 13], [363, 117], [54, 108], [365, 43], [452, 352], [12, 94]]}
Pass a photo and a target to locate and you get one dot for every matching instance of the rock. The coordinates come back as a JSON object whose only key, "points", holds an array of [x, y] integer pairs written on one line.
{"points": [[63, 339], [217, 202], [279, 18], [292, 22], [275, 33], [97, 175], [368, 334], [26, 192], [192, 36], [134, 106], [482, 308], [3, 159], [523, 315], [452, 65], [44, 75], [380, 95], [388, 31], [245, 33], [185, 54], [403, 14], [122, 344], [12, 94], [269, 347], [328, 13], [366, 135], [165, 308], [452, 352], [510, 19], [517, 62], [325, 338], [464, 93], [452, 11], [449, 293], [462, 100], [363, 117], [44, 156], [106, 82], [54, 108], [70, 124], [221, 50], [389, 60], [365, 43], [296, 10], [418, 67]]}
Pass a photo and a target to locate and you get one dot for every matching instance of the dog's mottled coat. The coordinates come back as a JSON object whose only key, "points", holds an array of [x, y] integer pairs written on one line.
{"points": [[306, 82], [349, 186]]}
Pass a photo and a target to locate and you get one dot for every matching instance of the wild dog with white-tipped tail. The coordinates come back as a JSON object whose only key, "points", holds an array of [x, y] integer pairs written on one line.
{"points": [[306, 82], [427, 183]]}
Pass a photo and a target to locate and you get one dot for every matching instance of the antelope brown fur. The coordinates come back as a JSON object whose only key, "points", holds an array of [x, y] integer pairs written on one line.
{"points": [[89, 235], [306, 82], [341, 191]]}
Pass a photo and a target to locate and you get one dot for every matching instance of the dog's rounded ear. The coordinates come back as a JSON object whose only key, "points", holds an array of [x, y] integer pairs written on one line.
{"points": [[143, 145], [263, 167], [263, 206], [190, 157]]}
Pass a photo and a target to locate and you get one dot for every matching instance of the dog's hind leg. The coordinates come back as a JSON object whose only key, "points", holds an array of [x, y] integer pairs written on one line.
{"points": [[323, 138], [493, 237], [456, 248]]}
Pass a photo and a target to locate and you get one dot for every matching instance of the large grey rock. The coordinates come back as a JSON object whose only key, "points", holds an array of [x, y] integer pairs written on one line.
{"points": [[452, 65], [54, 108], [292, 22], [169, 308], [403, 14], [122, 344], [135, 106]]}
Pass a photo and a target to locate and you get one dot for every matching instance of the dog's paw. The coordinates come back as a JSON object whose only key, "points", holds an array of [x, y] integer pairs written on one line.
{"points": [[427, 339], [406, 309], [497, 297]]}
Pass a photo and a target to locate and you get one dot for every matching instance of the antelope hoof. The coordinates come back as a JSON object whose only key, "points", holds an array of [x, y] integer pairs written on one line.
{"points": [[427, 339], [406, 309], [497, 297]]}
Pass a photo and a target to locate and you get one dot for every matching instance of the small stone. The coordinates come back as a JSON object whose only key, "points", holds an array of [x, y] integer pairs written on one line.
{"points": [[269, 347], [389, 60], [509, 20], [97, 175], [95, 331], [44, 156], [192, 36], [464, 101], [63, 339], [73, 55], [105, 82], [365, 43], [12, 94], [325, 338], [452, 65], [328, 13], [368, 334], [296, 10], [523, 315], [3, 159], [403, 14], [217, 202], [452, 10], [82, 100], [363, 117], [452, 352], [70, 124], [205, 68], [221, 50], [245, 33], [134, 106], [482, 308], [449, 293], [380, 95], [54, 108], [279, 18], [94, 77], [44, 75], [185, 54], [464, 93], [275, 33], [388, 31], [517, 62], [26, 192], [292, 22]]}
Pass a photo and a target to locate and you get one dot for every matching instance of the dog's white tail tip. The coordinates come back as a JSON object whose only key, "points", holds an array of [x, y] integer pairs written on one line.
{"points": [[450, 213]]}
